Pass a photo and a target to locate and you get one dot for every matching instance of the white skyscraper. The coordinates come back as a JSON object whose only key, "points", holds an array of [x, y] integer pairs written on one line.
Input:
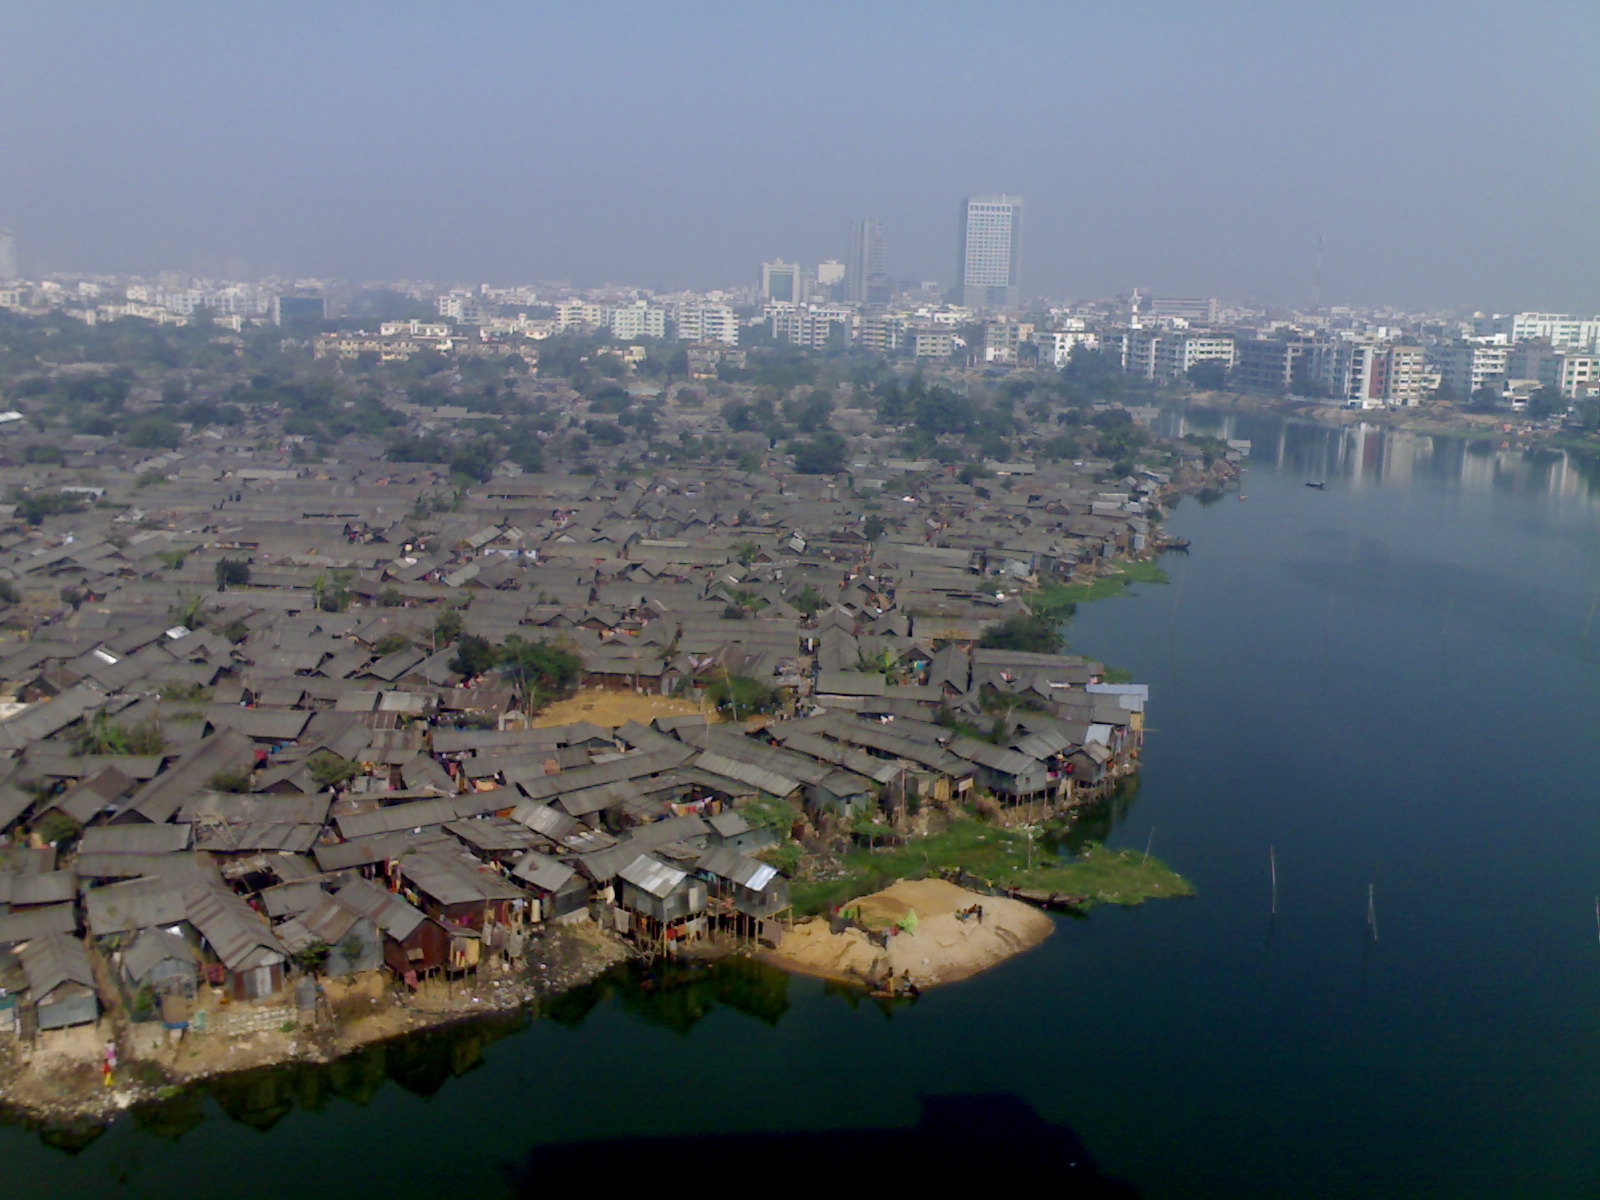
{"points": [[991, 245]]}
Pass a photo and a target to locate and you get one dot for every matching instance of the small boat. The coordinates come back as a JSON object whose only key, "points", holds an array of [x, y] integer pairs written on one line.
{"points": [[1316, 483], [1242, 496]]}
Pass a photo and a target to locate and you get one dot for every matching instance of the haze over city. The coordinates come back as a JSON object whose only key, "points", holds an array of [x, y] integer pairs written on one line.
{"points": [[1443, 155]]}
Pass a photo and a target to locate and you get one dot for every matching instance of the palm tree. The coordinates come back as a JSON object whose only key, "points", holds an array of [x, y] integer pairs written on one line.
{"points": [[189, 611]]}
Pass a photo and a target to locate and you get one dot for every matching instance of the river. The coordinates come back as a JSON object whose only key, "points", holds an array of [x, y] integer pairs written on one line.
{"points": [[1387, 685]]}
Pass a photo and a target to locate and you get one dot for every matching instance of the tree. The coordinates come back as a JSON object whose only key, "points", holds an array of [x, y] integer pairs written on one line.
{"points": [[1483, 399], [329, 770], [810, 601], [1025, 632], [447, 626], [1547, 402], [742, 695], [102, 735], [1209, 373], [189, 611], [231, 573], [230, 779], [332, 591], [391, 643], [474, 655], [540, 667], [821, 455]]}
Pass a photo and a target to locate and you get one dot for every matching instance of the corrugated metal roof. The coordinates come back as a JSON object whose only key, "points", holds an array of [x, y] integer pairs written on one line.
{"points": [[234, 931], [653, 876], [53, 960]]}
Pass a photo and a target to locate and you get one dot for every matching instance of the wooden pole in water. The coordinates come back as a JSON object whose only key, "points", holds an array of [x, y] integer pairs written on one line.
{"points": [[1372, 911], [1597, 916], [1147, 843], [1272, 862]]}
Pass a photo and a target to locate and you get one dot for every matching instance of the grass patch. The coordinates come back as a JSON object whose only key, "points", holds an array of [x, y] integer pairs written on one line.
{"points": [[1054, 597], [1002, 857]]}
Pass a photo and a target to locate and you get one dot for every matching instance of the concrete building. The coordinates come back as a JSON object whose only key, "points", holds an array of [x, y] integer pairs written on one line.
{"points": [[1200, 309], [1464, 367], [708, 323], [463, 308], [1168, 354], [298, 308], [636, 320], [1056, 345], [1570, 372], [817, 327], [989, 254], [1559, 329], [1268, 364], [1402, 376], [864, 280], [781, 283]]}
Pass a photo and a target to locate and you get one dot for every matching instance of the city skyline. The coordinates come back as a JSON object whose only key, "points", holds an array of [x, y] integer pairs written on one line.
{"points": [[1226, 144]]}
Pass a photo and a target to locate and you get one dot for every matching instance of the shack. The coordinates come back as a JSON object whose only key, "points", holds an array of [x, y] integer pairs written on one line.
{"points": [[60, 979]]}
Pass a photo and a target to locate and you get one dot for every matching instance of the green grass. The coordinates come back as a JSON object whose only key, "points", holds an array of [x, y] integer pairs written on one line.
{"points": [[1054, 596], [1002, 857]]}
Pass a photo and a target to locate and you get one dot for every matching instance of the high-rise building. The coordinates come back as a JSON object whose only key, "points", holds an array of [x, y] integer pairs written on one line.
{"points": [[8, 256], [864, 280], [990, 252], [781, 283]]}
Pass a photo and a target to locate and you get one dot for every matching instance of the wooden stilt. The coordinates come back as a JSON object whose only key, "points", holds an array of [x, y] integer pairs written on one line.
{"points": [[1372, 911], [1272, 862]]}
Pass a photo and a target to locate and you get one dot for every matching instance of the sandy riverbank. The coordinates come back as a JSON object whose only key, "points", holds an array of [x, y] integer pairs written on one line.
{"points": [[934, 945]]}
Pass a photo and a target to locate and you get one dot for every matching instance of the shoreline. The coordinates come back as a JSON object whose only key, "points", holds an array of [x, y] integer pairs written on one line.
{"points": [[914, 934], [60, 1085], [1426, 419]]}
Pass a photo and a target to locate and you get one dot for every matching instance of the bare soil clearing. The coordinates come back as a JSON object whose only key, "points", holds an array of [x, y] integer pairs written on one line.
{"points": [[610, 709], [929, 941]]}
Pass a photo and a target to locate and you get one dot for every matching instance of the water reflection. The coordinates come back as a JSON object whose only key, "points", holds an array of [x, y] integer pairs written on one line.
{"points": [[678, 995], [1365, 453]]}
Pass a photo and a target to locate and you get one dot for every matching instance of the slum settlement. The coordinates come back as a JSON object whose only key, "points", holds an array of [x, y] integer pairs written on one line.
{"points": [[270, 726]]}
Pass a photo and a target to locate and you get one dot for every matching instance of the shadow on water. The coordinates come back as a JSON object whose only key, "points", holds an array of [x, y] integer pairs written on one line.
{"points": [[999, 1136]]}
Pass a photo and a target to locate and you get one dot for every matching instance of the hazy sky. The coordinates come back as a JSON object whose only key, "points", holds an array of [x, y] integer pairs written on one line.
{"points": [[1446, 151]]}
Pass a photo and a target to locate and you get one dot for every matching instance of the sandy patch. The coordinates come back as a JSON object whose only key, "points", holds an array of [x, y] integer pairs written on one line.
{"points": [[938, 947], [611, 709]]}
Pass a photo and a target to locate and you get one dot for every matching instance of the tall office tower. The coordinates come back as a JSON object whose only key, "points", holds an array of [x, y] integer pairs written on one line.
{"points": [[8, 256], [864, 280], [991, 245], [781, 283]]}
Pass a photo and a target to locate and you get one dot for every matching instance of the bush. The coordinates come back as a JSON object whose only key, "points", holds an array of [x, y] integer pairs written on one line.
{"points": [[391, 643], [231, 779], [1032, 634], [329, 770]]}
